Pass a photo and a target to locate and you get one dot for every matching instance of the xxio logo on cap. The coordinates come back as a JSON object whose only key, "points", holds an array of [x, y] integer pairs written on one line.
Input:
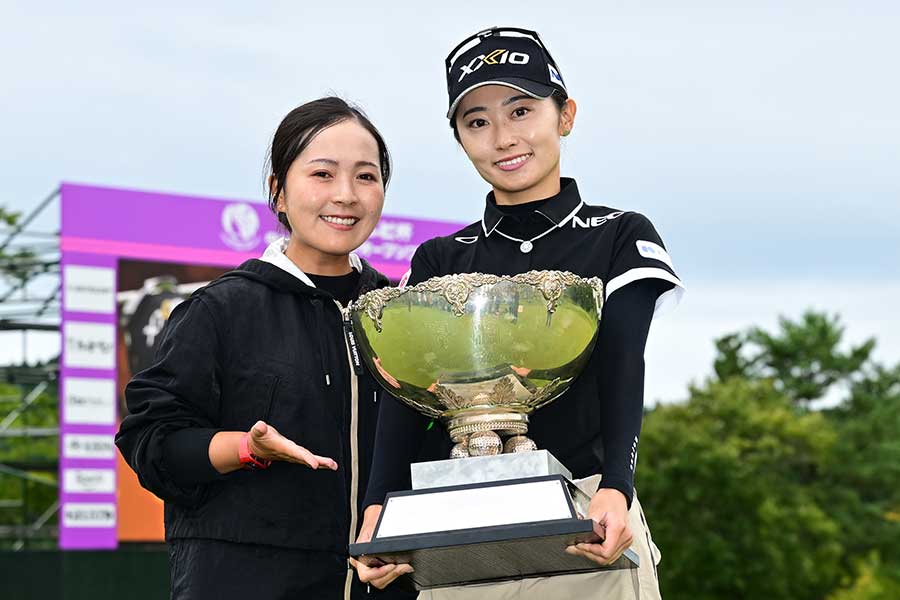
{"points": [[500, 56]]}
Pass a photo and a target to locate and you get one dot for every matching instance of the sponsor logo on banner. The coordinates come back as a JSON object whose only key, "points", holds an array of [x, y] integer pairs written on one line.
{"points": [[89, 514], [595, 221], [393, 231], [240, 227], [90, 345], [87, 445], [89, 481], [89, 401], [391, 241], [387, 251], [89, 289], [500, 56], [654, 251]]}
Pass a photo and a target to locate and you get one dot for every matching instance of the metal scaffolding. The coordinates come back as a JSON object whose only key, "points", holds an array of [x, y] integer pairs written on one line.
{"points": [[29, 416]]}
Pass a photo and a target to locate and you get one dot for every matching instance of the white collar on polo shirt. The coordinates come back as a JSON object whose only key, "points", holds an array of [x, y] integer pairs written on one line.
{"points": [[275, 255]]}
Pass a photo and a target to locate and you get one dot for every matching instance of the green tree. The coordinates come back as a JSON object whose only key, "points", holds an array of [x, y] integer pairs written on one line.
{"points": [[8, 217], [728, 480], [17, 266], [843, 489], [873, 583], [861, 483], [804, 359]]}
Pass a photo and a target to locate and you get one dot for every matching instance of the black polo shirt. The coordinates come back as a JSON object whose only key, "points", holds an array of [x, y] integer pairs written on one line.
{"points": [[594, 427], [565, 234]]}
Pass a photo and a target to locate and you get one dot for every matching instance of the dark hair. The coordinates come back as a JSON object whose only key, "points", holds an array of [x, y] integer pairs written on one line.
{"points": [[297, 130], [558, 97]]}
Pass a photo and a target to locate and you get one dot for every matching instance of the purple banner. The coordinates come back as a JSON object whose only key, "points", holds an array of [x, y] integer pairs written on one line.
{"points": [[100, 228], [176, 228]]}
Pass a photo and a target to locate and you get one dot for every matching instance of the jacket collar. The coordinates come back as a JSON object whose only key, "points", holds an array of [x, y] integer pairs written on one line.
{"points": [[275, 255], [277, 271], [558, 209]]}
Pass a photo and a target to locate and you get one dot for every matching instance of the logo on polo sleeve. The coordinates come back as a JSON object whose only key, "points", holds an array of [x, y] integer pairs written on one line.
{"points": [[654, 251]]}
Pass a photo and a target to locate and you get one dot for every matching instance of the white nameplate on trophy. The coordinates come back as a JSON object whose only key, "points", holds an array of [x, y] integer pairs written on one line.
{"points": [[476, 506], [485, 469]]}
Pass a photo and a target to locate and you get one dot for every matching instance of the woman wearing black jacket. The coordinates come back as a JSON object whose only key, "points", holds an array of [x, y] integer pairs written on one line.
{"points": [[252, 424]]}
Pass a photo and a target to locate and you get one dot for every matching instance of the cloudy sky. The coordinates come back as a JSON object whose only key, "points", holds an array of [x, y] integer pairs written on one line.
{"points": [[762, 138]]}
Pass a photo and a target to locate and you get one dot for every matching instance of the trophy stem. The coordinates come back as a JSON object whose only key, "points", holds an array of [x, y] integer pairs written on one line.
{"points": [[480, 434], [503, 423]]}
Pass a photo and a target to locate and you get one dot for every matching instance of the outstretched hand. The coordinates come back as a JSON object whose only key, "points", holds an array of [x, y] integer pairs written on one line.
{"points": [[265, 442]]}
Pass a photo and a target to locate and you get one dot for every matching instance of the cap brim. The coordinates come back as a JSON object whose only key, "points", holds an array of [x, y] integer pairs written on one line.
{"points": [[526, 86]]}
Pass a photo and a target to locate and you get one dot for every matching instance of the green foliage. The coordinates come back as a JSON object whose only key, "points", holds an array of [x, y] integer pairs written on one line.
{"points": [[727, 480], [863, 478], [803, 359], [8, 217], [754, 495], [17, 266], [43, 412], [873, 583], [24, 500]]}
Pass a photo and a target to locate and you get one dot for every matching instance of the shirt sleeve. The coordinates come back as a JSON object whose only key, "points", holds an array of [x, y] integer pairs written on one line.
{"points": [[639, 253], [173, 406], [398, 441], [621, 340], [423, 265]]}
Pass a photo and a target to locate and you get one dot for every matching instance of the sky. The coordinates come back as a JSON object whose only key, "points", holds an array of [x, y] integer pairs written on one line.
{"points": [[762, 139]]}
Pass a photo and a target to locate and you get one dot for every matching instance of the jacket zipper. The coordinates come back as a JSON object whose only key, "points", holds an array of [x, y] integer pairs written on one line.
{"points": [[356, 369]]}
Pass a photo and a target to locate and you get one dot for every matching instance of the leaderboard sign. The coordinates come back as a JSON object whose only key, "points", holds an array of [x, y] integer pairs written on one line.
{"points": [[128, 258]]}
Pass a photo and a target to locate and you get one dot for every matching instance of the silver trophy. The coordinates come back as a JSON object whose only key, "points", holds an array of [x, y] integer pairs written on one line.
{"points": [[480, 353]]}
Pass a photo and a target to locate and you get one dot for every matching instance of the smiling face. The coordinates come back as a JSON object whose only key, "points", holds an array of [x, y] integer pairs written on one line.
{"points": [[513, 141], [333, 196]]}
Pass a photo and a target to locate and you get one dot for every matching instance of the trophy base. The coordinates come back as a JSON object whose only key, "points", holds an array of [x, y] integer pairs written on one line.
{"points": [[485, 519], [489, 554], [485, 469]]}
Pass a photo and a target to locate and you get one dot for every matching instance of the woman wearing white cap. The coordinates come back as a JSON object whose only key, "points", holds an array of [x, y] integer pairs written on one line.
{"points": [[508, 108]]}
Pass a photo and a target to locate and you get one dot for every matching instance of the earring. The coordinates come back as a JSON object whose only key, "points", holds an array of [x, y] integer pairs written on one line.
{"points": [[566, 132]]}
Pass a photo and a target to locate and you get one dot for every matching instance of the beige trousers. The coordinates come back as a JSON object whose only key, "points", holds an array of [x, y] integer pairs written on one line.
{"points": [[622, 584]]}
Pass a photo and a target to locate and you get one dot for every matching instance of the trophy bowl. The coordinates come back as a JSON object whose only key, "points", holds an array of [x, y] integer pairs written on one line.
{"points": [[480, 352]]}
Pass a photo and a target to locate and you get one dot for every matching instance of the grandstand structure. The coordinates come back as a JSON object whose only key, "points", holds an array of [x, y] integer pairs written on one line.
{"points": [[29, 415]]}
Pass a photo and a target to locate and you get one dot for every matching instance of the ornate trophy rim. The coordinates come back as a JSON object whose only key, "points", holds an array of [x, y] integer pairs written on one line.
{"points": [[478, 421], [457, 288]]}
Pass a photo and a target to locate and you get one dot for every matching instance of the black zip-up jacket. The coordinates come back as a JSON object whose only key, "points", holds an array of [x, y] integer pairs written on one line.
{"points": [[255, 344]]}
